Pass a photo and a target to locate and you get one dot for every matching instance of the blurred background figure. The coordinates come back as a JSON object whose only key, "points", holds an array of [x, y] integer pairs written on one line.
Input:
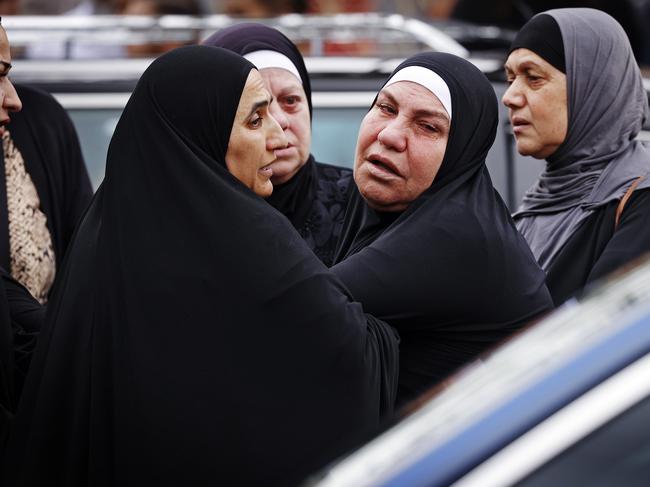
{"points": [[10, 7], [157, 8], [261, 8]]}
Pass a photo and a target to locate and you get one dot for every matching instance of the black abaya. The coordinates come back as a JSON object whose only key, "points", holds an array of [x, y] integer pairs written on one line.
{"points": [[192, 337], [451, 273]]}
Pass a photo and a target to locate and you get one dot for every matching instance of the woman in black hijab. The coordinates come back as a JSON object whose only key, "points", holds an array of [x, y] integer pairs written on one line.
{"points": [[311, 194], [192, 337], [576, 99], [447, 269]]}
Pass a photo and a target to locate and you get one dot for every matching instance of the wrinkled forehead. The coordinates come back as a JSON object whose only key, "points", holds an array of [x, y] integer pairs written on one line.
{"points": [[427, 79]]}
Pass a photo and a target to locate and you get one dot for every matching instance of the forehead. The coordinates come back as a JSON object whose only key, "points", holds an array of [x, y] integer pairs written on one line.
{"points": [[254, 91], [281, 78], [254, 83], [415, 97], [523, 57]]}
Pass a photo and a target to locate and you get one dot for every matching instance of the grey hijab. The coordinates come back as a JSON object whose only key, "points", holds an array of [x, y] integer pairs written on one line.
{"points": [[599, 159]]}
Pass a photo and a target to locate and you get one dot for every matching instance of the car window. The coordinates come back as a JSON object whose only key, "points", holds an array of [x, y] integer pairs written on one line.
{"points": [[334, 134], [616, 454], [95, 128]]}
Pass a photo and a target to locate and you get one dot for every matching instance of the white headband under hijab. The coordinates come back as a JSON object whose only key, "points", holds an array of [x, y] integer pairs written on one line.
{"points": [[427, 78], [272, 59]]}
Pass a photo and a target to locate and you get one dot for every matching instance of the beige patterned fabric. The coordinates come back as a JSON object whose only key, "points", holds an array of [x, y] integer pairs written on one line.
{"points": [[30, 243]]}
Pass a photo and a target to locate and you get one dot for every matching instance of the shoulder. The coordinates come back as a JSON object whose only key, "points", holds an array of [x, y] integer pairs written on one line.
{"points": [[332, 172], [334, 182]]}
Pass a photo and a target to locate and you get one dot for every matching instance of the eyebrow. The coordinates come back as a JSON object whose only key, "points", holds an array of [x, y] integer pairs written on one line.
{"points": [[423, 112], [525, 64], [290, 89], [256, 106]]}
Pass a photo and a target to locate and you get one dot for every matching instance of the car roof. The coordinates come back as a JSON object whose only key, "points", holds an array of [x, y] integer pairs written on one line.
{"points": [[353, 47]]}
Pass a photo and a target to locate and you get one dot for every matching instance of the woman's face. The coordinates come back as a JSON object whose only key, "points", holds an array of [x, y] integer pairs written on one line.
{"points": [[254, 138], [10, 101], [537, 103], [402, 142], [291, 110]]}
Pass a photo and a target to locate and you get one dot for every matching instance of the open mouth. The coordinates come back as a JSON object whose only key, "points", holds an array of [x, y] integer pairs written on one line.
{"points": [[383, 166]]}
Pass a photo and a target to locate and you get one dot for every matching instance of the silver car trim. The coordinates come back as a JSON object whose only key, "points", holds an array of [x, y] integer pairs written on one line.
{"points": [[118, 30], [563, 429]]}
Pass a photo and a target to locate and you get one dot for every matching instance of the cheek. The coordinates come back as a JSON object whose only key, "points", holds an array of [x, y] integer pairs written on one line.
{"points": [[301, 126], [368, 132], [425, 164]]}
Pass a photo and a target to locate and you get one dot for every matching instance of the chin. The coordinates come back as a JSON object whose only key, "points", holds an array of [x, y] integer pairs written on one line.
{"points": [[379, 199], [283, 171], [264, 191], [526, 150]]}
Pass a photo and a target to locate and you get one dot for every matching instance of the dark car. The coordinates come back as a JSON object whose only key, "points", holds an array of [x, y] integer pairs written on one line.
{"points": [[566, 402]]}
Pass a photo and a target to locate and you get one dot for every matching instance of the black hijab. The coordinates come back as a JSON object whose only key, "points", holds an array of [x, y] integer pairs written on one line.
{"points": [[192, 337], [293, 198], [451, 273]]}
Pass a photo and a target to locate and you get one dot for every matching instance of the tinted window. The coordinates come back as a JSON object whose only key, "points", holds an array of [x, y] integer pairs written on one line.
{"points": [[616, 454]]}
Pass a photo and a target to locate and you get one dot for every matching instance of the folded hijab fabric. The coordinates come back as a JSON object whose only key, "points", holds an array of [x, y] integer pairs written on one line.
{"points": [[599, 159], [192, 337], [451, 273], [314, 199]]}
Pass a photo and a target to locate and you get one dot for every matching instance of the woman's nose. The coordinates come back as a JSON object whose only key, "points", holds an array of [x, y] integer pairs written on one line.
{"points": [[275, 137], [512, 98], [10, 102], [279, 115], [393, 136]]}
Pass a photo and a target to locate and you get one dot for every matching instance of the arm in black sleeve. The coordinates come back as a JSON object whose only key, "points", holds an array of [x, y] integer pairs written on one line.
{"points": [[630, 240], [27, 316], [26, 313]]}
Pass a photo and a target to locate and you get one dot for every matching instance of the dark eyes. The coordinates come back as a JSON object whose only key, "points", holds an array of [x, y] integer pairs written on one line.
{"points": [[530, 78], [255, 122], [386, 108], [429, 128]]}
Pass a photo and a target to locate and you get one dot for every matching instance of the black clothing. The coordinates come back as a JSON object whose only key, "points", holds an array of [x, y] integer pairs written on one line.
{"points": [[192, 338], [451, 273], [48, 142], [7, 395], [21, 317], [542, 35], [595, 249], [314, 199]]}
